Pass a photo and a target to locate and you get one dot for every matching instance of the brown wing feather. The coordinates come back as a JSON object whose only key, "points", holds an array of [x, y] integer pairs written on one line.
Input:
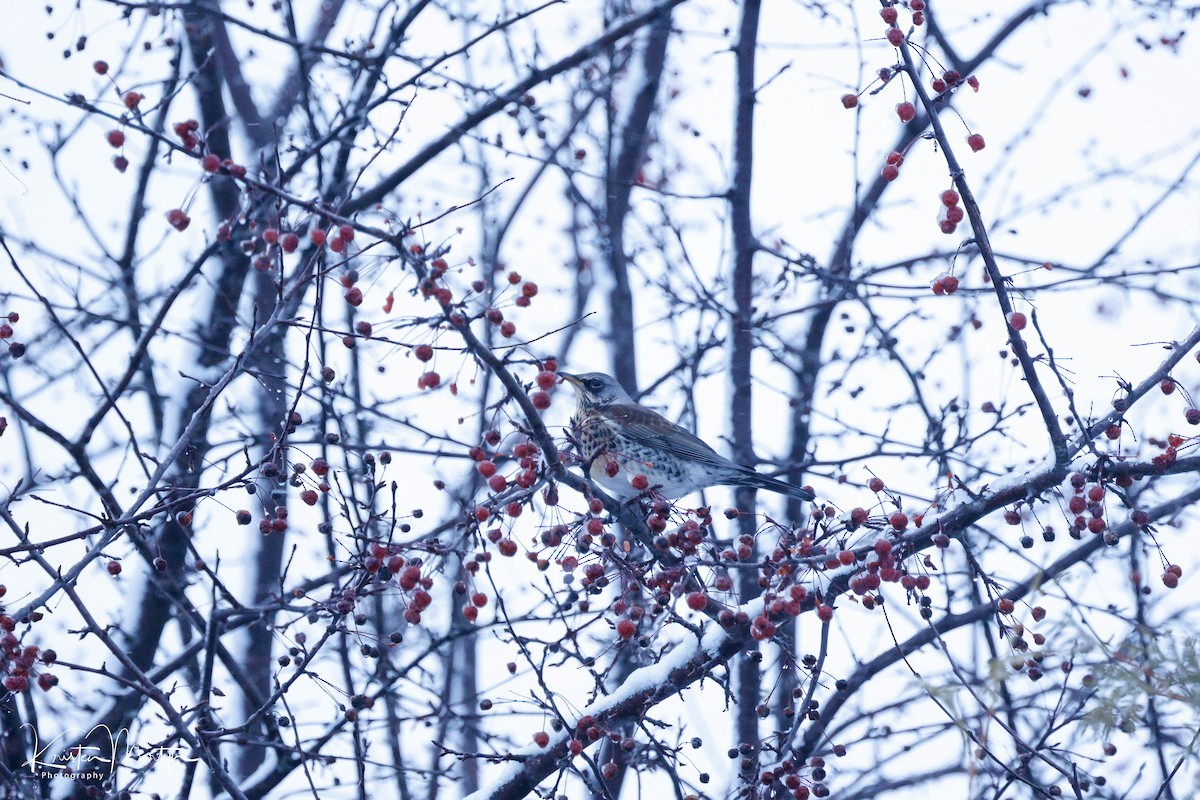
{"points": [[647, 428], [654, 430]]}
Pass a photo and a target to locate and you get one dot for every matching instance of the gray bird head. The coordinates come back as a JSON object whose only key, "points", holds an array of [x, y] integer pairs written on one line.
{"points": [[596, 388]]}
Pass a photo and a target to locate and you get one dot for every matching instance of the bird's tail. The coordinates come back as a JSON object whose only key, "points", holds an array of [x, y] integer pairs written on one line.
{"points": [[752, 478]]}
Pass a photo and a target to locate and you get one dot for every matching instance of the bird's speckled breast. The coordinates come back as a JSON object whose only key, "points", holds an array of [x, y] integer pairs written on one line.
{"points": [[601, 444]]}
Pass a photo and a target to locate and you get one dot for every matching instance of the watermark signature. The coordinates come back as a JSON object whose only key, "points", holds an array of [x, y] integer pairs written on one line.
{"points": [[90, 762]]}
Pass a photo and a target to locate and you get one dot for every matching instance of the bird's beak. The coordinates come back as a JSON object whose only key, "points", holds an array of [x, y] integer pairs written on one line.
{"points": [[569, 378]]}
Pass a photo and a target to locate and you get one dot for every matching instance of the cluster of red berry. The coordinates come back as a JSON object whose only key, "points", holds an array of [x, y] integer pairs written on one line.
{"points": [[20, 663], [15, 349]]}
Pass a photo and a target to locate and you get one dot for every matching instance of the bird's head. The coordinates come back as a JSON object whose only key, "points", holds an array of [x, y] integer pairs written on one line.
{"points": [[596, 388]]}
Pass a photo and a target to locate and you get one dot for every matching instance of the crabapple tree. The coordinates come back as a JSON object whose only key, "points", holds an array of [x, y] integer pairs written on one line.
{"points": [[290, 495]]}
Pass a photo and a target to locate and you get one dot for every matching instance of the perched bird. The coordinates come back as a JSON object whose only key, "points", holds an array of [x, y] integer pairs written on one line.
{"points": [[619, 440]]}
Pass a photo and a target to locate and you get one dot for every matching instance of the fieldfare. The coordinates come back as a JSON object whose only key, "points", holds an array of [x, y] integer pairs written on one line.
{"points": [[619, 440]]}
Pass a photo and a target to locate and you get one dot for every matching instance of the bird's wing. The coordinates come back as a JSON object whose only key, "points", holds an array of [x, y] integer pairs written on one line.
{"points": [[656, 431]]}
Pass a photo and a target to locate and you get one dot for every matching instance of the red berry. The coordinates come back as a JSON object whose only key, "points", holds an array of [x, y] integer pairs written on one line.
{"points": [[423, 352], [354, 296], [947, 227], [899, 520], [409, 577], [100, 67], [640, 482], [271, 236], [479, 599], [906, 111], [697, 601], [486, 468], [895, 159], [938, 85], [131, 99], [889, 14], [824, 612], [895, 36], [317, 237], [975, 142], [121, 163], [938, 286], [529, 289], [949, 198], [1192, 415], [46, 681], [917, 5], [114, 568], [626, 629], [918, 18], [1005, 606], [951, 284], [1016, 320], [429, 380], [178, 219], [859, 515], [210, 163], [309, 496], [345, 233], [507, 329], [289, 242], [186, 128], [973, 82], [762, 629], [849, 100], [875, 484], [1113, 431], [955, 214], [1167, 386], [541, 738], [546, 380], [889, 172], [421, 599], [541, 400], [1170, 580], [115, 138]]}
